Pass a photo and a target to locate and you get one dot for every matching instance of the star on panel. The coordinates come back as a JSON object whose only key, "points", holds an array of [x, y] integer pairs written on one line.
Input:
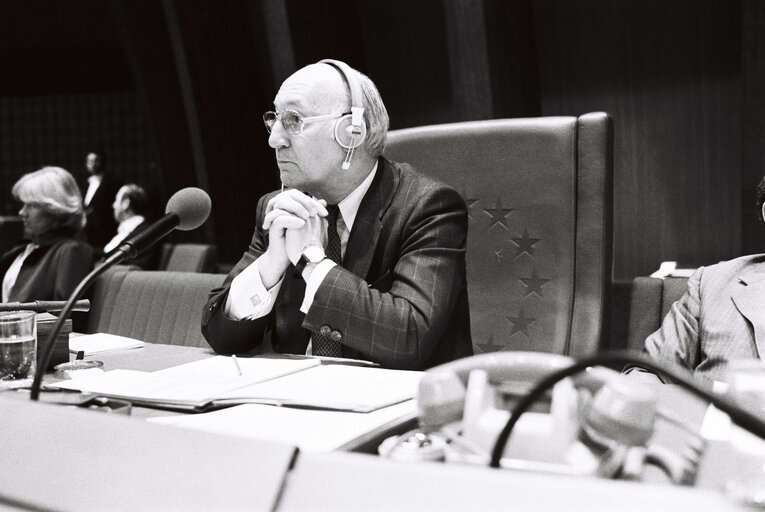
{"points": [[490, 346], [469, 202], [498, 215], [533, 284], [525, 244], [520, 323]]}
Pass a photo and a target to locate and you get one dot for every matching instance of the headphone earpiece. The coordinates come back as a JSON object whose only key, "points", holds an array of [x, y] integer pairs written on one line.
{"points": [[350, 130], [348, 134]]}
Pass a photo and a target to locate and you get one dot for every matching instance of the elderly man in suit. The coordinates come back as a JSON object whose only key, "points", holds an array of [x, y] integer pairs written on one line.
{"points": [[357, 256], [720, 318]]}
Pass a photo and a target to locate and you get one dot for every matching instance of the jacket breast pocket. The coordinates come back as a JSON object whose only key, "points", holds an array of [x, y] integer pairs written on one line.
{"points": [[383, 283]]}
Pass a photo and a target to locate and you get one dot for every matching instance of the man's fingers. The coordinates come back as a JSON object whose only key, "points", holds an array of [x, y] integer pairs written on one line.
{"points": [[287, 222], [273, 215], [297, 203]]}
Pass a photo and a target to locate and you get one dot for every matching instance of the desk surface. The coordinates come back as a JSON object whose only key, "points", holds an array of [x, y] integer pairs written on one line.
{"points": [[340, 482], [70, 459]]}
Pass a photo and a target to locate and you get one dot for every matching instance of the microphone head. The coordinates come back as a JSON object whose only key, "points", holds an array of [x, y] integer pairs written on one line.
{"points": [[191, 205]]}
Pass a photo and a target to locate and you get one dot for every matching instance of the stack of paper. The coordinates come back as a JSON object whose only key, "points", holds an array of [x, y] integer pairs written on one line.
{"points": [[216, 382], [329, 430], [101, 343]]}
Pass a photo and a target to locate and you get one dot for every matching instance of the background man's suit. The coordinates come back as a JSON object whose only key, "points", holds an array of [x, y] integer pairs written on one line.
{"points": [[721, 317], [400, 298], [101, 225]]}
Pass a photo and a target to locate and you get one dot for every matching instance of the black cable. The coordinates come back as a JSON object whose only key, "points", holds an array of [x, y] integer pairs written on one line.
{"points": [[738, 415], [50, 341]]}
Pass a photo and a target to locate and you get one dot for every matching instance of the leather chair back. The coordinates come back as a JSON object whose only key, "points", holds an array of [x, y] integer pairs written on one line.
{"points": [[650, 302], [188, 257], [539, 194], [153, 306]]}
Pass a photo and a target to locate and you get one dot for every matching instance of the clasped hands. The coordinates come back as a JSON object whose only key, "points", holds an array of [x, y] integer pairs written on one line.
{"points": [[294, 221]]}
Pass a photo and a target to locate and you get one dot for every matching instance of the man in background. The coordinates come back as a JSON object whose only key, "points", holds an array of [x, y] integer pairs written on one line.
{"points": [[98, 197], [720, 318], [359, 257], [131, 208]]}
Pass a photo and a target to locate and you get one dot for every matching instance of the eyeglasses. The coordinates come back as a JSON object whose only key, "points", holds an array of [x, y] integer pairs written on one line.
{"points": [[292, 121]]}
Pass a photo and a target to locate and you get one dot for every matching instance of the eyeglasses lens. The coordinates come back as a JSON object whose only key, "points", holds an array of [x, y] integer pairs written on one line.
{"points": [[291, 121]]}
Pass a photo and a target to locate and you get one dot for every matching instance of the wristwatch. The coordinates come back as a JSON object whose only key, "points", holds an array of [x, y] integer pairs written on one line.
{"points": [[311, 254]]}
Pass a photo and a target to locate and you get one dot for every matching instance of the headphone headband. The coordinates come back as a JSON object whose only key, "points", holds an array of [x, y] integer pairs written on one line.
{"points": [[350, 79]]}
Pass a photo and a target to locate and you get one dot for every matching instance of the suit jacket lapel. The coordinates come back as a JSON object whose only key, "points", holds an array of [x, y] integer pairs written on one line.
{"points": [[366, 228], [750, 301]]}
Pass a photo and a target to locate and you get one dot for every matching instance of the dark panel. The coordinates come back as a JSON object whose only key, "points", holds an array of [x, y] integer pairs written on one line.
{"points": [[324, 29], [406, 55], [51, 47], [513, 58], [668, 71], [230, 94], [150, 57], [753, 122]]}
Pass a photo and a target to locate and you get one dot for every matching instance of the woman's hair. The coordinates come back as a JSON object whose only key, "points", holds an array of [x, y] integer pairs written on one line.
{"points": [[55, 191]]}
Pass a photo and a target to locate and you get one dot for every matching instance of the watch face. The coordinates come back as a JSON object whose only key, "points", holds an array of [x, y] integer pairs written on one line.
{"points": [[314, 253]]}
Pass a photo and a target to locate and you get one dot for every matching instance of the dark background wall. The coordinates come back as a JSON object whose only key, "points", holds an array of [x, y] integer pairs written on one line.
{"points": [[174, 90]]}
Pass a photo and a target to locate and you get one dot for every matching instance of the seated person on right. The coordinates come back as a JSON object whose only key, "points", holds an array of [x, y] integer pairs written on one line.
{"points": [[720, 318], [53, 261], [131, 208]]}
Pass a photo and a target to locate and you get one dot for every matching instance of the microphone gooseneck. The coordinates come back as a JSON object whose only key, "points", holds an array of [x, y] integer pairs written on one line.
{"points": [[187, 209]]}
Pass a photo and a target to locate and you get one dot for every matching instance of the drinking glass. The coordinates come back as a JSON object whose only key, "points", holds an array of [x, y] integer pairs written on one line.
{"points": [[18, 348]]}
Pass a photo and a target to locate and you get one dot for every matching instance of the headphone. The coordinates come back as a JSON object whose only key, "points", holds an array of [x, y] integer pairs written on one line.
{"points": [[350, 129]]}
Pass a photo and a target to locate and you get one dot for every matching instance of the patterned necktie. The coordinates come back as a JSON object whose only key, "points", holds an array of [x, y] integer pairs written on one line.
{"points": [[324, 345]]}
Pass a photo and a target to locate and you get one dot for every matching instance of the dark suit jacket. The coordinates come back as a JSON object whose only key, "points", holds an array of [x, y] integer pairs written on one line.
{"points": [[147, 260], [400, 297], [721, 317], [101, 225], [50, 272]]}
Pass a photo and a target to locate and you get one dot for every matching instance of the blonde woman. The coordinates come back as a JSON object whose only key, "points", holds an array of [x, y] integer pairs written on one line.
{"points": [[54, 260]]}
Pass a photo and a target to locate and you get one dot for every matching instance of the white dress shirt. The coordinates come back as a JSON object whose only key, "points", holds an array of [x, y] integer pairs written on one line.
{"points": [[93, 183], [13, 271], [123, 230], [248, 298]]}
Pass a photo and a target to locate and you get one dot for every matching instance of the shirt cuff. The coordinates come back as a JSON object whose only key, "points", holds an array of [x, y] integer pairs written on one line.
{"points": [[248, 298], [312, 285]]}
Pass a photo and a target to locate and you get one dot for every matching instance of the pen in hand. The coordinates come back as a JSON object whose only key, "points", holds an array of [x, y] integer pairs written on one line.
{"points": [[236, 365]]}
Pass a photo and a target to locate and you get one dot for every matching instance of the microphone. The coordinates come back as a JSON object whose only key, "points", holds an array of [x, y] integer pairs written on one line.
{"points": [[187, 209]]}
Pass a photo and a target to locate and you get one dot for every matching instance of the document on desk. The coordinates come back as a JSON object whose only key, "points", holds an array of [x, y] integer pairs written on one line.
{"points": [[215, 382], [329, 430], [339, 387], [187, 386], [100, 343]]}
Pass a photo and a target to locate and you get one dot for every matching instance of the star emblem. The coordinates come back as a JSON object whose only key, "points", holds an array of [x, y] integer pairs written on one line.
{"points": [[525, 244], [490, 346], [520, 323], [469, 202], [498, 215], [533, 284]]}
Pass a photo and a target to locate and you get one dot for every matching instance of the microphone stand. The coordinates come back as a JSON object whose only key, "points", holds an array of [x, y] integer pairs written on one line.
{"points": [[44, 361]]}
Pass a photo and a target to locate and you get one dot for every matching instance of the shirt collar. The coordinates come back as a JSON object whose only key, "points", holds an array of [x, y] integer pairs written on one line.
{"points": [[349, 206], [128, 225]]}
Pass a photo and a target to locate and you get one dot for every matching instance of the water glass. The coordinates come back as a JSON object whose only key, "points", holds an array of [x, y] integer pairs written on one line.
{"points": [[18, 348]]}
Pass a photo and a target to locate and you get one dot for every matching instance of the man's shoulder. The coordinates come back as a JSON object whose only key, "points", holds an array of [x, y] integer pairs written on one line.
{"points": [[411, 177], [729, 270], [742, 262]]}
